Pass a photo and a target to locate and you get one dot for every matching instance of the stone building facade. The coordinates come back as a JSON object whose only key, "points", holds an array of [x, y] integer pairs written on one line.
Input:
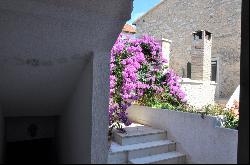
{"points": [[201, 71], [176, 20]]}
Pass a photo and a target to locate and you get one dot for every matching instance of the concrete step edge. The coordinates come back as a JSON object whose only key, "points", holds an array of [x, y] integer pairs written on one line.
{"points": [[156, 158], [118, 148], [142, 134]]}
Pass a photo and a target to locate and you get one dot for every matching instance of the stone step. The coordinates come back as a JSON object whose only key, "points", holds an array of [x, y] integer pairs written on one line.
{"points": [[164, 158], [121, 154], [139, 134]]}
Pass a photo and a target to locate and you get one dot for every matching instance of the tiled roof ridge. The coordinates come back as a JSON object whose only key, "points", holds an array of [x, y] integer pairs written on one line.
{"points": [[129, 29]]}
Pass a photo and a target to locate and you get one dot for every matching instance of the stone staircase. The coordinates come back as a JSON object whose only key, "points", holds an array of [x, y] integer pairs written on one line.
{"points": [[143, 145]]}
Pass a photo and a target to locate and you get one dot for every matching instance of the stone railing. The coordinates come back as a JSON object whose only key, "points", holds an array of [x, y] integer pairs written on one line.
{"points": [[201, 139]]}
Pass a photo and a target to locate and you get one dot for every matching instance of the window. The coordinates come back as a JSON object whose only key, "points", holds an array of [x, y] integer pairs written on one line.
{"points": [[213, 70], [197, 35], [189, 70]]}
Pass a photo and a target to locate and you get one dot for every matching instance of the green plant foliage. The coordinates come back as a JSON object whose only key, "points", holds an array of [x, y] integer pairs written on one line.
{"points": [[214, 110], [231, 120]]}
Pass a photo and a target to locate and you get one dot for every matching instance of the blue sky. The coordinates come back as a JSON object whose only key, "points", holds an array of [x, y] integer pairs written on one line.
{"points": [[141, 7]]}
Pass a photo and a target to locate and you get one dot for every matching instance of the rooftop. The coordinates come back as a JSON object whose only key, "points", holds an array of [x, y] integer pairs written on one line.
{"points": [[129, 29]]}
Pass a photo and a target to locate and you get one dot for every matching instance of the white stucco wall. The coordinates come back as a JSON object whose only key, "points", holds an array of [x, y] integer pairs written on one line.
{"points": [[200, 139], [57, 35], [100, 99], [1, 136], [199, 93], [52, 41], [74, 125]]}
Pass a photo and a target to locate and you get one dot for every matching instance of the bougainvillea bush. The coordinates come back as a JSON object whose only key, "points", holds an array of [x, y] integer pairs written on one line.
{"points": [[139, 75]]}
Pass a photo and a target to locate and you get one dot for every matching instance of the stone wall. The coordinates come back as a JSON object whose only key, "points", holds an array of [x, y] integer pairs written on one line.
{"points": [[199, 93], [176, 20]]}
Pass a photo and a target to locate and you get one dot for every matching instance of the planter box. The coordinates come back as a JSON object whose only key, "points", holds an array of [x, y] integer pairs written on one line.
{"points": [[199, 138]]}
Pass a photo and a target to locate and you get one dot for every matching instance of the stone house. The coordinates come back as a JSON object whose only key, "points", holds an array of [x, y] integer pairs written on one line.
{"points": [[176, 20]]}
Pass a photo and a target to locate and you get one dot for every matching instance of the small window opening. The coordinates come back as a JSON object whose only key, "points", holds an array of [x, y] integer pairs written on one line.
{"points": [[198, 35], [189, 70], [213, 70], [207, 35]]}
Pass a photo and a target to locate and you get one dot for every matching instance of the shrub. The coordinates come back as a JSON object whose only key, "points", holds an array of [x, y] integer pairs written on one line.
{"points": [[214, 110], [232, 116], [230, 119], [138, 74]]}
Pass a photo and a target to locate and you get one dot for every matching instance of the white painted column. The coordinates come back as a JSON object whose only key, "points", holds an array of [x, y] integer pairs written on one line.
{"points": [[166, 45]]}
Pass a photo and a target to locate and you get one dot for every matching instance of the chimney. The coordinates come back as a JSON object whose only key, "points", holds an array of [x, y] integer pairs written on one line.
{"points": [[201, 55]]}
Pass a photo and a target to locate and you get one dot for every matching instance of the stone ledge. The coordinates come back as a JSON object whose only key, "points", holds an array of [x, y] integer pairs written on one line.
{"points": [[166, 40], [198, 82], [189, 81]]}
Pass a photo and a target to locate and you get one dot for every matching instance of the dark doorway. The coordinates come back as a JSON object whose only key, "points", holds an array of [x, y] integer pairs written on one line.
{"points": [[32, 151]]}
